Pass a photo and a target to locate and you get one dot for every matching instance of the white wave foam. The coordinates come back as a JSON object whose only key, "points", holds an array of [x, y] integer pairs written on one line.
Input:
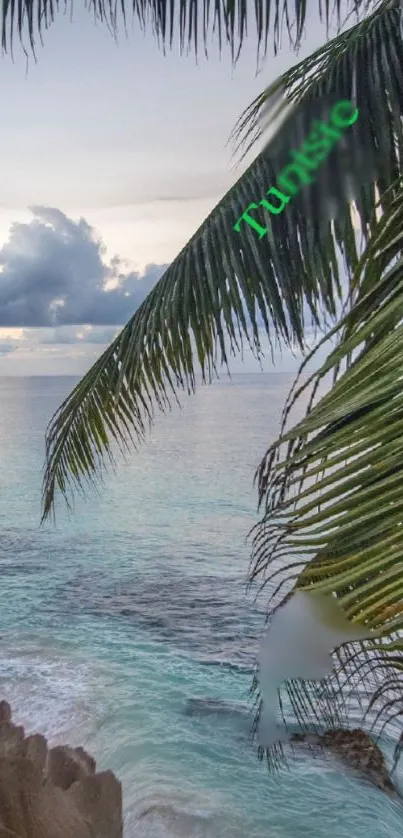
{"points": [[50, 693], [174, 815]]}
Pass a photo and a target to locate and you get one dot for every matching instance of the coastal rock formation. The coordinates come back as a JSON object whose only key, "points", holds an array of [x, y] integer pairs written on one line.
{"points": [[358, 751], [53, 793]]}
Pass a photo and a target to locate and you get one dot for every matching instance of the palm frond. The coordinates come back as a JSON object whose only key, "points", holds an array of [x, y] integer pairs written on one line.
{"points": [[215, 296], [185, 18], [226, 286], [362, 65], [332, 487]]}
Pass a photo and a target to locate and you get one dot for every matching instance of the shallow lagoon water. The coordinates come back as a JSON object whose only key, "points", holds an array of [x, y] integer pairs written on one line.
{"points": [[126, 627]]}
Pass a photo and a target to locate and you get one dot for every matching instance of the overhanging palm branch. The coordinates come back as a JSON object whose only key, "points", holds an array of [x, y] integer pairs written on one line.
{"points": [[332, 491], [186, 18], [363, 63], [224, 287]]}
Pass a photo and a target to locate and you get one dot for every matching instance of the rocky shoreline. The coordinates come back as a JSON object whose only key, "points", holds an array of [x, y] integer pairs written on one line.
{"points": [[357, 751], [53, 792], [58, 793]]}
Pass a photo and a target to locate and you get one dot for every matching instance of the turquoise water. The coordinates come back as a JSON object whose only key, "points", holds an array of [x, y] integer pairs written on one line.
{"points": [[122, 624]]}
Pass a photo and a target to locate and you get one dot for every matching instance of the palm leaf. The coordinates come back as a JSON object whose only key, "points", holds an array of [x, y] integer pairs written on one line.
{"points": [[231, 18], [362, 65], [332, 488], [224, 287]]}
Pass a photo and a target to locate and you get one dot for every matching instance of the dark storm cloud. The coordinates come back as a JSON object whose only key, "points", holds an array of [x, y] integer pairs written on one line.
{"points": [[53, 273]]}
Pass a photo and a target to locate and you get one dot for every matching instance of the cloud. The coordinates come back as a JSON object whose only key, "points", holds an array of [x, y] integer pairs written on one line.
{"points": [[53, 272], [81, 334]]}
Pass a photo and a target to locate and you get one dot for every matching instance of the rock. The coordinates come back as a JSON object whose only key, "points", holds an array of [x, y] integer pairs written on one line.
{"points": [[11, 740], [5, 711], [358, 751], [38, 811], [55, 793], [98, 798], [66, 766], [36, 750], [86, 758]]}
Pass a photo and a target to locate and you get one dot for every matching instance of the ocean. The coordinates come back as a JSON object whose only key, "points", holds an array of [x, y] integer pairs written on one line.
{"points": [[126, 628]]}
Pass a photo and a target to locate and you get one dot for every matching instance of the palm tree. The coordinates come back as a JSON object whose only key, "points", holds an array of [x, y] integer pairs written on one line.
{"points": [[330, 488]]}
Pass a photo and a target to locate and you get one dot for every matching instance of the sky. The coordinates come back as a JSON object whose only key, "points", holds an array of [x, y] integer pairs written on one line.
{"points": [[111, 156]]}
